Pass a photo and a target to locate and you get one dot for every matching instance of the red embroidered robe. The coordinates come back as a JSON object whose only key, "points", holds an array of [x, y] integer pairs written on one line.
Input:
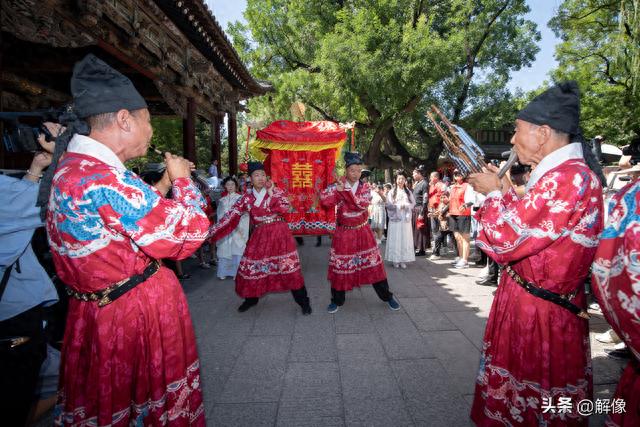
{"points": [[133, 361], [354, 259], [534, 349], [270, 262], [616, 284]]}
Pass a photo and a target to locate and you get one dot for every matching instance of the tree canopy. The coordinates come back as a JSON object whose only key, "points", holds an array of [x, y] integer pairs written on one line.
{"points": [[381, 63], [600, 49]]}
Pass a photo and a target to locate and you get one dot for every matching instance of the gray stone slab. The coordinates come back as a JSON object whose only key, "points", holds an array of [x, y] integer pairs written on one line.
{"points": [[213, 380], [225, 322], [265, 349], [314, 347], [406, 289], [319, 322], [277, 317], [606, 370], [220, 349], [429, 393], [244, 414], [458, 355], [400, 338], [377, 413], [253, 383], [353, 318], [298, 418], [311, 395], [446, 300], [367, 380], [360, 347], [258, 375], [424, 315], [308, 381], [470, 324]]}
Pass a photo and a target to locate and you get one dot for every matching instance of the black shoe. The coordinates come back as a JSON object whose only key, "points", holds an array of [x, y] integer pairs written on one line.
{"points": [[421, 253], [620, 354], [185, 276], [246, 305], [487, 281], [306, 309]]}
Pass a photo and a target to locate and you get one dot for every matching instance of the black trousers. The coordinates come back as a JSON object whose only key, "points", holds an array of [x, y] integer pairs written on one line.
{"points": [[440, 241], [494, 267], [299, 295], [20, 365], [381, 288]]}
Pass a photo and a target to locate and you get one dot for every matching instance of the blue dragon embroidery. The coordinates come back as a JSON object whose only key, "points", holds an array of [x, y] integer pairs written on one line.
{"points": [[81, 217]]}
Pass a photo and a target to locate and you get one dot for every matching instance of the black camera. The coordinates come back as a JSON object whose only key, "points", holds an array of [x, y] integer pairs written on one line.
{"points": [[633, 150], [20, 131]]}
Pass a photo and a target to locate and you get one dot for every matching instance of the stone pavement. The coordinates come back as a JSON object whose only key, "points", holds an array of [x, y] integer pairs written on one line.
{"points": [[362, 366]]}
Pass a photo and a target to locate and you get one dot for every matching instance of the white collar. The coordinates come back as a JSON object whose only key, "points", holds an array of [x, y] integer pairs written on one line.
{"points": [[553, 160], [353, 187], [259, 195], [82, 144]]}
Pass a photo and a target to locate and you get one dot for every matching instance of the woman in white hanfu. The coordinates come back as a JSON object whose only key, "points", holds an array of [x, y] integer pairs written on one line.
{"points": [[399, 249], [378, 213], [231, 247]]}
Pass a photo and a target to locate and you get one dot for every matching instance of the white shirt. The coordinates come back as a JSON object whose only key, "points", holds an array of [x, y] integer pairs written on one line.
{"points": [[259, 195], [82, 144]]}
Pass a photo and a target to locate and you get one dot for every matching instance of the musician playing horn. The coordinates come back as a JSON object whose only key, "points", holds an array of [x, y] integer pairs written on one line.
{"points": [[536, 343]]}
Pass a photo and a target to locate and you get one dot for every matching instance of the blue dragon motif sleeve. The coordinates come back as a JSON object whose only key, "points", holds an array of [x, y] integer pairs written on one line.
{"points": [[162, 228]]}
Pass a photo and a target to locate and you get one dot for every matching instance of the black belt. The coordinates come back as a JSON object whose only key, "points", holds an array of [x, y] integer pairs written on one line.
{"points": [[558, 299], [115, 291]]}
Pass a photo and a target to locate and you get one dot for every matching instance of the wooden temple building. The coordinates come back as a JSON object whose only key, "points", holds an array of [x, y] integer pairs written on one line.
{"points": [[174, 51]]}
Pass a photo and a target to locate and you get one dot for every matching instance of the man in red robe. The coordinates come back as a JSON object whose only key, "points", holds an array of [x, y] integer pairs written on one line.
{"points": [[616, 284], [129, 355], [354, 259], [535, 366]]}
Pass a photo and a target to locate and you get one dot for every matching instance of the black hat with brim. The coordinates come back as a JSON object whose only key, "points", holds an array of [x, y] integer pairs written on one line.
{"points": [[557, 107], [97, 88], [254, 166], [352, 158]]}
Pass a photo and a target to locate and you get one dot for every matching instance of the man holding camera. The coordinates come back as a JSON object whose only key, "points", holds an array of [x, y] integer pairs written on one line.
{"points": [[129, 354], [25, 288], [616, 284]]}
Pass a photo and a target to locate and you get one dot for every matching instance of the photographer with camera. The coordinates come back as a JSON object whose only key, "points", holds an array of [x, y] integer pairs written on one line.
{"points": [[616, 284], [25, 287]]}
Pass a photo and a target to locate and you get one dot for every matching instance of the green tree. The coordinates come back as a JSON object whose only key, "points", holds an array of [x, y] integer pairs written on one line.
{"points": [[600, 49], [383, 62]]}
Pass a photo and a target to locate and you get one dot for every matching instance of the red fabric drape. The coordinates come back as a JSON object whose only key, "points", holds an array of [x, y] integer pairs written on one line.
{"points": [[304, 174]]}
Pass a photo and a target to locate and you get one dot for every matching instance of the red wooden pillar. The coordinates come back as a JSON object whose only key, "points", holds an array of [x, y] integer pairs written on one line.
{"points": [[216, 122], [189, 132], [233, 143]]}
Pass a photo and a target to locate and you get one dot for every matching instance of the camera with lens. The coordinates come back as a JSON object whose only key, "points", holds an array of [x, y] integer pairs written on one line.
{"points": [[20, 131], [633, 150]]}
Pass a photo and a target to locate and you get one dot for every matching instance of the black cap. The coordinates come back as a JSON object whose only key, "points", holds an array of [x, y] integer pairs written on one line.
{"points": [[97, 89], [557, 107], [255, 166], [352, 158]]}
